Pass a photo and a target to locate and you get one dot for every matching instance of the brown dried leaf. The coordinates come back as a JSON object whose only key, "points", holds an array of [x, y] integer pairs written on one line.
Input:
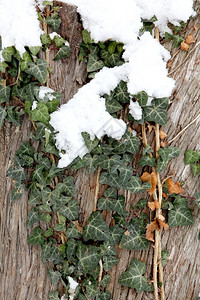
{"points": [[174, 187], [150, 229], [162, 134], [190, 39], [184, 46], [163, 144], [150, 127], [127, 233], [152, 179], [154, 205]]}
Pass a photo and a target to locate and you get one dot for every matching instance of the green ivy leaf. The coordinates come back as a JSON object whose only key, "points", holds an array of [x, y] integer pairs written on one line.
{"points": [[36, 238], [54, 276], [50, 253], [73, 232], [109, 262], [121, 93], [54, 23], [133, 277], [70, 211], [191, 156], [34, 50], [13, 115], [69, 187], [26, 59], [38, 175], [147, 161], [64, 51], [32, 217], [97, 228], [45, 39], [116, 233], [38, 70], [112, 204], [17, 191], [3, 114], [54, 295], [180, 215], [25, 149], [52, 105], [142, 98], [114, 59], [41, 113], [17, 172], [128, 143], [48, 232], [112, 46], [92, 290], [135, 185], [88, 257], [195, 169], [93, 63], [8, 52], [134, 239], [164, 257], [4, 93], [86, 37], [104, 296], [105, 281], [165, 155], [58, 40], [90, 143], [112, 106], [3, 66]]}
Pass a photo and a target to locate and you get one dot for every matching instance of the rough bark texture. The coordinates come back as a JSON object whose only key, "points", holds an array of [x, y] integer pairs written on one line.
{"points": [[23, 276]]}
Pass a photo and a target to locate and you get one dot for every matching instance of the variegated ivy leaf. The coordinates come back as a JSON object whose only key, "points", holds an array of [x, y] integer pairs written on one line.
{"points": [[91, 162], [52, 105], [195, 169], [108, 249], [13, 115], [25, 149], [70, 211], [111, 193], [17, 191], [3, 66], [50, 253], [125, 174], [191, 156], [110, 163], [8, 52], [38, 175], [114, 59], [135, 185], [142, 98], [112, 105], [69, 186], [104, 296], [134, 239], [116, 234], [3, 114], [117, 205], [121, 93], [165, 155], [17, 172], [146, 160], [54, 295], [92, 290], [54, 276], [180, 215], [38, 70], [54, 23], [88, 257], [45, 39], [64, 51], [128, 143], [73, 232], [157, 111], [133, 277], [34, 50], [32, 217], [59, 41], [109, 262], [105, 281], [34, 197], [96, 229], [90, 143], [93, 63], [36, 238], [41, 113], [4, 93]]}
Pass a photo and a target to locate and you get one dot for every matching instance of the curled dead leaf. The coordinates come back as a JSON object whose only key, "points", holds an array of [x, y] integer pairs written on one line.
{"points": [[152, 179], [174, 187], [157, 224], [162, 134], [154, 205], [190, 39], [184, 46], [163, 144]]}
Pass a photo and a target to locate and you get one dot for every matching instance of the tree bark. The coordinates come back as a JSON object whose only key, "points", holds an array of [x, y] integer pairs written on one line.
{"points": [[23, 276]]}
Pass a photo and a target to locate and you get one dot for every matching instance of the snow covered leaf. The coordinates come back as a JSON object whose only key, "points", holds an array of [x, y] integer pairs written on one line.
{"points": [[88, 257], [96, 229], [64, 51], [174, 187], [38, 70], [36, 237], [116, 234], [93, 63], [54, 276], [3, 114], [135, 185], [191, 156], [41, 113], [4, 93], [142, 98], [152, 179], [133, 277], [32, 217], [8, 52], [121, 93], [134, 239], [146, 160], [54, 23], [180, 215], [16, 171], [70, 211], [54, 295], [109, 262], [90, 143]]}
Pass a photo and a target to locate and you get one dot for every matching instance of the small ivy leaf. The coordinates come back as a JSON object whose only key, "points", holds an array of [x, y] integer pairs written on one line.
{"points": [[73, 232], [105, 281], [134, 239], [52, 105], [107, 249], [86, 37], [17, 172], [164, 257], [142, 98], [3, 114], [48, 232], [116, 234], [112, 106], [154, 114], [13, 115], [34, 50], [104, 296], [32, 218], [59, 202], [70, 211], [125, 174], [41, 113], [34, 197], [128, 143], [91, 162], [133, 277], [180, 215], [54, 23], [59, 41], [191, 156], [114, 59], [117, 205], [92, 290], [195, 169], [45, 39], [93, 63], [17, 192], [64, 51], [97, 228], [59, 227], [165, 155], [54, 295], [88, 257], [54, 276], [90, 143], [147, 161], [135, 185], [3, 66], [4, 93], [112, 46], [111, 193], [26, 59], [121, 93], [25, 149], [36, 238], [109, 262], [8, 52], [69, 187], [38, 175], [38, 70]]}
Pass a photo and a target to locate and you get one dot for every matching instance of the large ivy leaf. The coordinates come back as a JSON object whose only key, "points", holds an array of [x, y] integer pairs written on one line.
{"points": [[54, 23], [41, 113], [191, 156], [54, 276], [180, 215], [17, 172], [157, 111], [134, 239], [90, 143], [88, 257], [135, 185], [3, 114], [38, 70], [133, 277], [4, 93], [93, 63], [64, 51], [36, 237], [109, 262], [97, 228], [70, 211], [8, 52], [165, 155]]}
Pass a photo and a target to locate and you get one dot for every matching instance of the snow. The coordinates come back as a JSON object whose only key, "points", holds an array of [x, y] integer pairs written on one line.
{"points": [[46, 92], [72, 286], [135, 110], [18, 24]]}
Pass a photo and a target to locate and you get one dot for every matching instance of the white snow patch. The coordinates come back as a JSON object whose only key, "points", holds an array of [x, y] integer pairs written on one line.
{"points": [[46, 92], [34, 105], [72, 286], [18, 24], [135, 110]]}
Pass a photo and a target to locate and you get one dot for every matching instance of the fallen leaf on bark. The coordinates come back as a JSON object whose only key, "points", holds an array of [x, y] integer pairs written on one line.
{"points": [[184, 46], [174, 187]]}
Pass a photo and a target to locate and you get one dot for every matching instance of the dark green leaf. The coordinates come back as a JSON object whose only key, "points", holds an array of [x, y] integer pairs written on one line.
{"points": [[116, 234], [73, 232], [59, 41], [105, 281], [109, 262], [113, 106], [25, 149], [86, 37], [104, 296], [38, 70], [128, 143], [135, 185], [32, 217], [180, 215], [93, 63], [142, 98], [3, 114], [36, 237], [90, 143], [54, 23], [195, 169], [34, 50], [17, 172], [64, 51], [4, 93], [88, 257], [70, 211], [147, 161], [134, 239]]}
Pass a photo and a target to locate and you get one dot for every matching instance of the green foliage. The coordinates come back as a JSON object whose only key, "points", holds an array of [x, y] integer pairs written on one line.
{"points": [[88, 257], [54, 276], [4, 93], [193, 158], [64, 51], [134, 238], [177, 39], [157, 112], [36, 238], [133, 277], [41, 113], [3, 114], [54, 22], [165, 155], [38, 70], [180, 215]]}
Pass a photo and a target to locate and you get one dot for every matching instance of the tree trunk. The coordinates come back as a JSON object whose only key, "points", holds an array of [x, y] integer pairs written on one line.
{"points": [[23, 276]]}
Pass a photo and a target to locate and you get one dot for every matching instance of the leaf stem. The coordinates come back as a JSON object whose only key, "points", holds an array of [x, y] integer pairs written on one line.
{"points": [[96, 189]]}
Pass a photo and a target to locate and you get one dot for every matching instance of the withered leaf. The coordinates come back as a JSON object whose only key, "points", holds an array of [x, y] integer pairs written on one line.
{"points": [[190, 39], [174, 187], [152, 179], [154, 205], [184, 46]]}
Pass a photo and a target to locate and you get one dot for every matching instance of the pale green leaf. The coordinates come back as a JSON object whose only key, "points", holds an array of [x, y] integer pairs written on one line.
{"points": [[54, 276], [38, 70], [64, 51], [41, 113], [3, 114], [191, 156]]}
